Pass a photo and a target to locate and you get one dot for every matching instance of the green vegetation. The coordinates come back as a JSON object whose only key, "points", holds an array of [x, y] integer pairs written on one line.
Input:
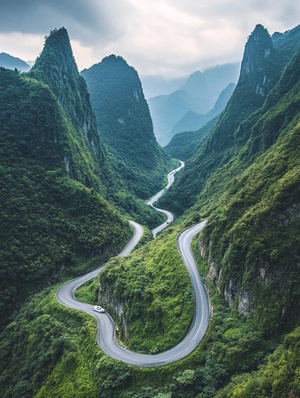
{"points": [[50, 222], [278, 377], [228, 142], [55, 354], [59, 354], [56, 68], [186, 144], [125, 123], [149, 295], [253, 203], [49, 225]]}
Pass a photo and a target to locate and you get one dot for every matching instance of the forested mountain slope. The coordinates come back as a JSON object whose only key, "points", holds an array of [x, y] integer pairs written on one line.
{"points": [[185, 145], [50, 223], [260, 72], [125, 123], [86, 156], [56, 68], [195, 128], [248, 183]]}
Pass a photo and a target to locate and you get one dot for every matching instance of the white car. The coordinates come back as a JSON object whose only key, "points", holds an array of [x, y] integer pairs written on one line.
{"points": [[97, 308]]}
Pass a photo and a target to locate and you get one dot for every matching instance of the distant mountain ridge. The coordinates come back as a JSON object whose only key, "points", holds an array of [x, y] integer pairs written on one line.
{"points": [[192, 121], [10, 62], [198, 94]]}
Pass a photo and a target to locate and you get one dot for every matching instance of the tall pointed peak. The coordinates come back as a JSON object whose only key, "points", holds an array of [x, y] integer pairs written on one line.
{"points": [[57, 68], [258, 50], [59, 41], [57, 51]]}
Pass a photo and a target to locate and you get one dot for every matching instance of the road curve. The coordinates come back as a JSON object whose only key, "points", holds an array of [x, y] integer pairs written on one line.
{"points": [[105, 334], [106, 327], [150, 202], [65, 293]]}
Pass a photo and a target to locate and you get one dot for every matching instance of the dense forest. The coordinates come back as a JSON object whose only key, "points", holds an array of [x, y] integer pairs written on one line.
{"points": [[65, 208], [62, 203], [125, 123]]}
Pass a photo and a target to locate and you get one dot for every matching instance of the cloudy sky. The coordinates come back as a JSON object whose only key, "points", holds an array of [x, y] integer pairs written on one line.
{"points": [[168, 37]]}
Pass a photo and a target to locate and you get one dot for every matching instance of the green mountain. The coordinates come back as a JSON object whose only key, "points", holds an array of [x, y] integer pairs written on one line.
{"points": [[125, 123], [86, 157], [53, 214], [259, 74], [56, 68], [245, 177]]}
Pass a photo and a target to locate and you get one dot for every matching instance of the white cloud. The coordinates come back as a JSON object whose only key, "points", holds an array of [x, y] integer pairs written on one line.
{"points": [[21, 45], [158, 36]]}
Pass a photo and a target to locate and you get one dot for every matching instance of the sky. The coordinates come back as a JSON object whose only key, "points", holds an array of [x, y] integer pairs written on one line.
{"points": [[171, 38]]}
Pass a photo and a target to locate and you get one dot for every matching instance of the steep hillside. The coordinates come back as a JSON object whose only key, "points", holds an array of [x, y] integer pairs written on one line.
{"points": [[85, 155], [250, 180], [125, 123], [56, 67], [259, 74], [50, 223]]}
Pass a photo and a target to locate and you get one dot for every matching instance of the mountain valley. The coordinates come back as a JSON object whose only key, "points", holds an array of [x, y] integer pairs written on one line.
{"points": [[78, 159]]}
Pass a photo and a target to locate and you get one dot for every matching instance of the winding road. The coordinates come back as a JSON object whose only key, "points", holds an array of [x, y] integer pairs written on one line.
{"points": [[150, 202], [106, 327]]}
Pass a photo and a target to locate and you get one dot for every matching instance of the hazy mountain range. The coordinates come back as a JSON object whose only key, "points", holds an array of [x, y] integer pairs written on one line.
{"points": [[10, 62], [187, 106]]}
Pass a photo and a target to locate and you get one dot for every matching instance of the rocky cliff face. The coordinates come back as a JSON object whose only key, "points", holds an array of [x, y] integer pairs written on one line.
{"points": [[257, 77], [259, 53]]}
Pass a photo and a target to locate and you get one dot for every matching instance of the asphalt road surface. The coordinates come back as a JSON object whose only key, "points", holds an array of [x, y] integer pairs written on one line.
{"points": [[106, 327], [150, 202]]}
